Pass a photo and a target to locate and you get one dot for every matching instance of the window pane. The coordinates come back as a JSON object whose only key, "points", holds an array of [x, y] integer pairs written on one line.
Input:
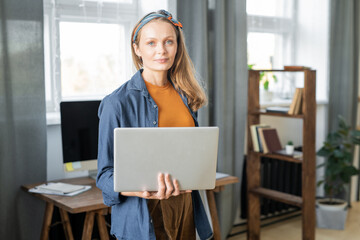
{"points": [[264, 53], [92, 58], [112, 1], [273, 8], [261, 50]]}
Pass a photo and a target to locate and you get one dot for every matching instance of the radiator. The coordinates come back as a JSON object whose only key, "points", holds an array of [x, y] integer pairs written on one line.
{"points": [[276, 175]]}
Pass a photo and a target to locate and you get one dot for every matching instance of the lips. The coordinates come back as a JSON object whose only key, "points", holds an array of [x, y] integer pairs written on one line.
{"points": [[161, 60]]}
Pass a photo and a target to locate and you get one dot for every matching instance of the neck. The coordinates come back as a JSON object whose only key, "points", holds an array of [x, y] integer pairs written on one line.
{"points": [[158, 78]]}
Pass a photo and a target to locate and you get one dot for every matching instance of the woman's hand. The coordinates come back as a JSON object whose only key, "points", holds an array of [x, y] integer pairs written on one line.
{"points": [[167, 188]]}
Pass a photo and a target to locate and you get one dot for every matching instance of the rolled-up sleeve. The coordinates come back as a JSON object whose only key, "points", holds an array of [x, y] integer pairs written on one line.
{"points": [[108, 120]]}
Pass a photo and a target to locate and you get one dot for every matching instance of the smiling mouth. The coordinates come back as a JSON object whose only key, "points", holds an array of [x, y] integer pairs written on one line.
{"points": [[163, 60]]}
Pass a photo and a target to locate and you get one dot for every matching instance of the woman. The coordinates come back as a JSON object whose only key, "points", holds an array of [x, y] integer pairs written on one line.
{"points": [[163, 93]]}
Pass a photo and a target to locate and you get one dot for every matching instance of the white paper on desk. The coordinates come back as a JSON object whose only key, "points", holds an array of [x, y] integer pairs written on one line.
{"points": [[60, 187], [221, 175], [39, 190]]}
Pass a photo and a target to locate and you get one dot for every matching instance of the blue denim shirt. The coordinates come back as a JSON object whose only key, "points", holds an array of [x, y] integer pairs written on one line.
{"points": [[132, 106]]}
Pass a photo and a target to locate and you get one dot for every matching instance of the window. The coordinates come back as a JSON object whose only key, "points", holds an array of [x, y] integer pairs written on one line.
{"points": [[87, 46], [289, 32], [271, 30], [88, 71]]}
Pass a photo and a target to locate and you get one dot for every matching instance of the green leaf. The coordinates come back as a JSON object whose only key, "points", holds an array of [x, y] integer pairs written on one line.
{"points": [[320, 182], [275, 78], [250, 66], [342, 122], [339, 153], [355, 133], [262, 75], [321, 165], [323, 152], [266, 85], [343, 132]]}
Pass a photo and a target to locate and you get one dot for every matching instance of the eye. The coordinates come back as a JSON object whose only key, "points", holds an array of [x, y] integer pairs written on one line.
{"points": [[169, 42], [151, 43]]}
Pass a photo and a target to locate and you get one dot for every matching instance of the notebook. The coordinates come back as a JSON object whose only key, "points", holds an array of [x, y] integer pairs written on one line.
{"points": [[272, 140], [188, 154]]}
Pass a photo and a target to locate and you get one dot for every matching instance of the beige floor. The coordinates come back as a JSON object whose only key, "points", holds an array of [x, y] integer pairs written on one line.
{"points": [[291, 229]]}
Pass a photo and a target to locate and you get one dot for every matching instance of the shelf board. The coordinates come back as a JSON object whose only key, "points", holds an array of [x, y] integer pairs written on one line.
{"points": [[280, 70], [279, 157], [278, 196], [262, 112]]}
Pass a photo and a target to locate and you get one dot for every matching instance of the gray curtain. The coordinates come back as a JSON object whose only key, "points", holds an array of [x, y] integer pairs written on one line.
{"points": [[215, 33], [22, 117], [344, 62]]}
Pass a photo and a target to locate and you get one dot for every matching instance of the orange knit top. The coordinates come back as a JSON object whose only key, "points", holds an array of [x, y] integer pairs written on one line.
{"points": [[172, 110], [173, 218]]}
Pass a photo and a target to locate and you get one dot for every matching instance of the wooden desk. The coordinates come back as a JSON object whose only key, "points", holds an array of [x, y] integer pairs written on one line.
{"points": [[91, 202]]}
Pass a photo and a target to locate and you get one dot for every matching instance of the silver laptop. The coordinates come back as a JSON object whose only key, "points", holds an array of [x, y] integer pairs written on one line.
{"points": [[187, 154]]}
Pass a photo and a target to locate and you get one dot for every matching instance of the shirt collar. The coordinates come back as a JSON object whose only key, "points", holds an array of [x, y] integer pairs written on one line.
{"points": [[137, 82]]}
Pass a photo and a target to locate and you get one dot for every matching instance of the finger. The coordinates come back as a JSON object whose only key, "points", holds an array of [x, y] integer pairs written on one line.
{"points": [[161, 189], [177, 188], [185, 191], [169, 186], [145, 194], [153, 195]]}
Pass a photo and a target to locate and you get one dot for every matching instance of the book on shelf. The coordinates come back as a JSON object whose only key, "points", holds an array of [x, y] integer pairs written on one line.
{"points": [[296, 104], [261, 143], [277, 109], [255, 136], [296, 154], [295, 67], [262, 140], [272, 140]]}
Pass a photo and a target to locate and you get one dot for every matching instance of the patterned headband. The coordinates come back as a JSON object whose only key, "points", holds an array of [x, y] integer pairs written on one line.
{"points": [[164, 14]]}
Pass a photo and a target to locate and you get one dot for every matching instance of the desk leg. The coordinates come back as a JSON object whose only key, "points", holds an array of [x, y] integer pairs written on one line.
{"points": [[66, 224], [214, 215], [49, 209], [88, 225], [104, 235]]}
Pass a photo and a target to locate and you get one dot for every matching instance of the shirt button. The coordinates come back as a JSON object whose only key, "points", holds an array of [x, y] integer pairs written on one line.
{"points": [[154, 122], [151, 221], [155, 106]]}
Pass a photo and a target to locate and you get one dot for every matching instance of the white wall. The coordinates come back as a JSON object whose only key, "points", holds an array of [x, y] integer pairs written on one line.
{"points": [[312, 48], [312, 41]]}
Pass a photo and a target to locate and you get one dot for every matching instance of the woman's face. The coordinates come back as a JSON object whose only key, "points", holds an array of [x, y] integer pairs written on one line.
{"points": [[157, 46]]}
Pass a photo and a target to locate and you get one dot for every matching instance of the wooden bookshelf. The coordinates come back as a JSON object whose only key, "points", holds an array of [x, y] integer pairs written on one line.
{"points": [[278, 196], [263, 112], [279, 156], [308, 160]]}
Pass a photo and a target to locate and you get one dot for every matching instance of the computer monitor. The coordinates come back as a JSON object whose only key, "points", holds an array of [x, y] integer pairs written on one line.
{"points": [[79, 131]]}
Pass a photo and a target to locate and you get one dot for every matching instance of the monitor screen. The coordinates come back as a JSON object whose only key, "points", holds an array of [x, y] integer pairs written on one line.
{"points": [[79, 131]]}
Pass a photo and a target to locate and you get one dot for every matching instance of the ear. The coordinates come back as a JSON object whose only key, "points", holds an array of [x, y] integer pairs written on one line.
{"points": [[137, 50]]}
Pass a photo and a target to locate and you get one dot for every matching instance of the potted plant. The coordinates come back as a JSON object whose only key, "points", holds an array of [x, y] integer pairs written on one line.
{"points": [[289, 148], [265, 78], [338, 153]]}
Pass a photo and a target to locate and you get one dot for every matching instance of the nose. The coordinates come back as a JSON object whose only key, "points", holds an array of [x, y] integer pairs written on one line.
{"points": [[161, 48]]}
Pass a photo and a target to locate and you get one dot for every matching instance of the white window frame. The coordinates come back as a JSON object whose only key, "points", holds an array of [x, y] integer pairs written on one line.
{"points": [[56, 11], [286, 28]]}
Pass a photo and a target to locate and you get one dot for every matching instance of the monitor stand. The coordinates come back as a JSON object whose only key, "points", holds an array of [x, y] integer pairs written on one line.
{"points": [[93, 174]]}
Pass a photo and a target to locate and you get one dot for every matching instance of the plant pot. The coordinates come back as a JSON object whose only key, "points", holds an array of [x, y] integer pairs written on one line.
{"points": [[331, 216], [289, 149], [267, 96]]}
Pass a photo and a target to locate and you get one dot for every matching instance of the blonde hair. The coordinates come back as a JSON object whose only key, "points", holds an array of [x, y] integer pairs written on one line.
{"points": [[181, 73]]}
